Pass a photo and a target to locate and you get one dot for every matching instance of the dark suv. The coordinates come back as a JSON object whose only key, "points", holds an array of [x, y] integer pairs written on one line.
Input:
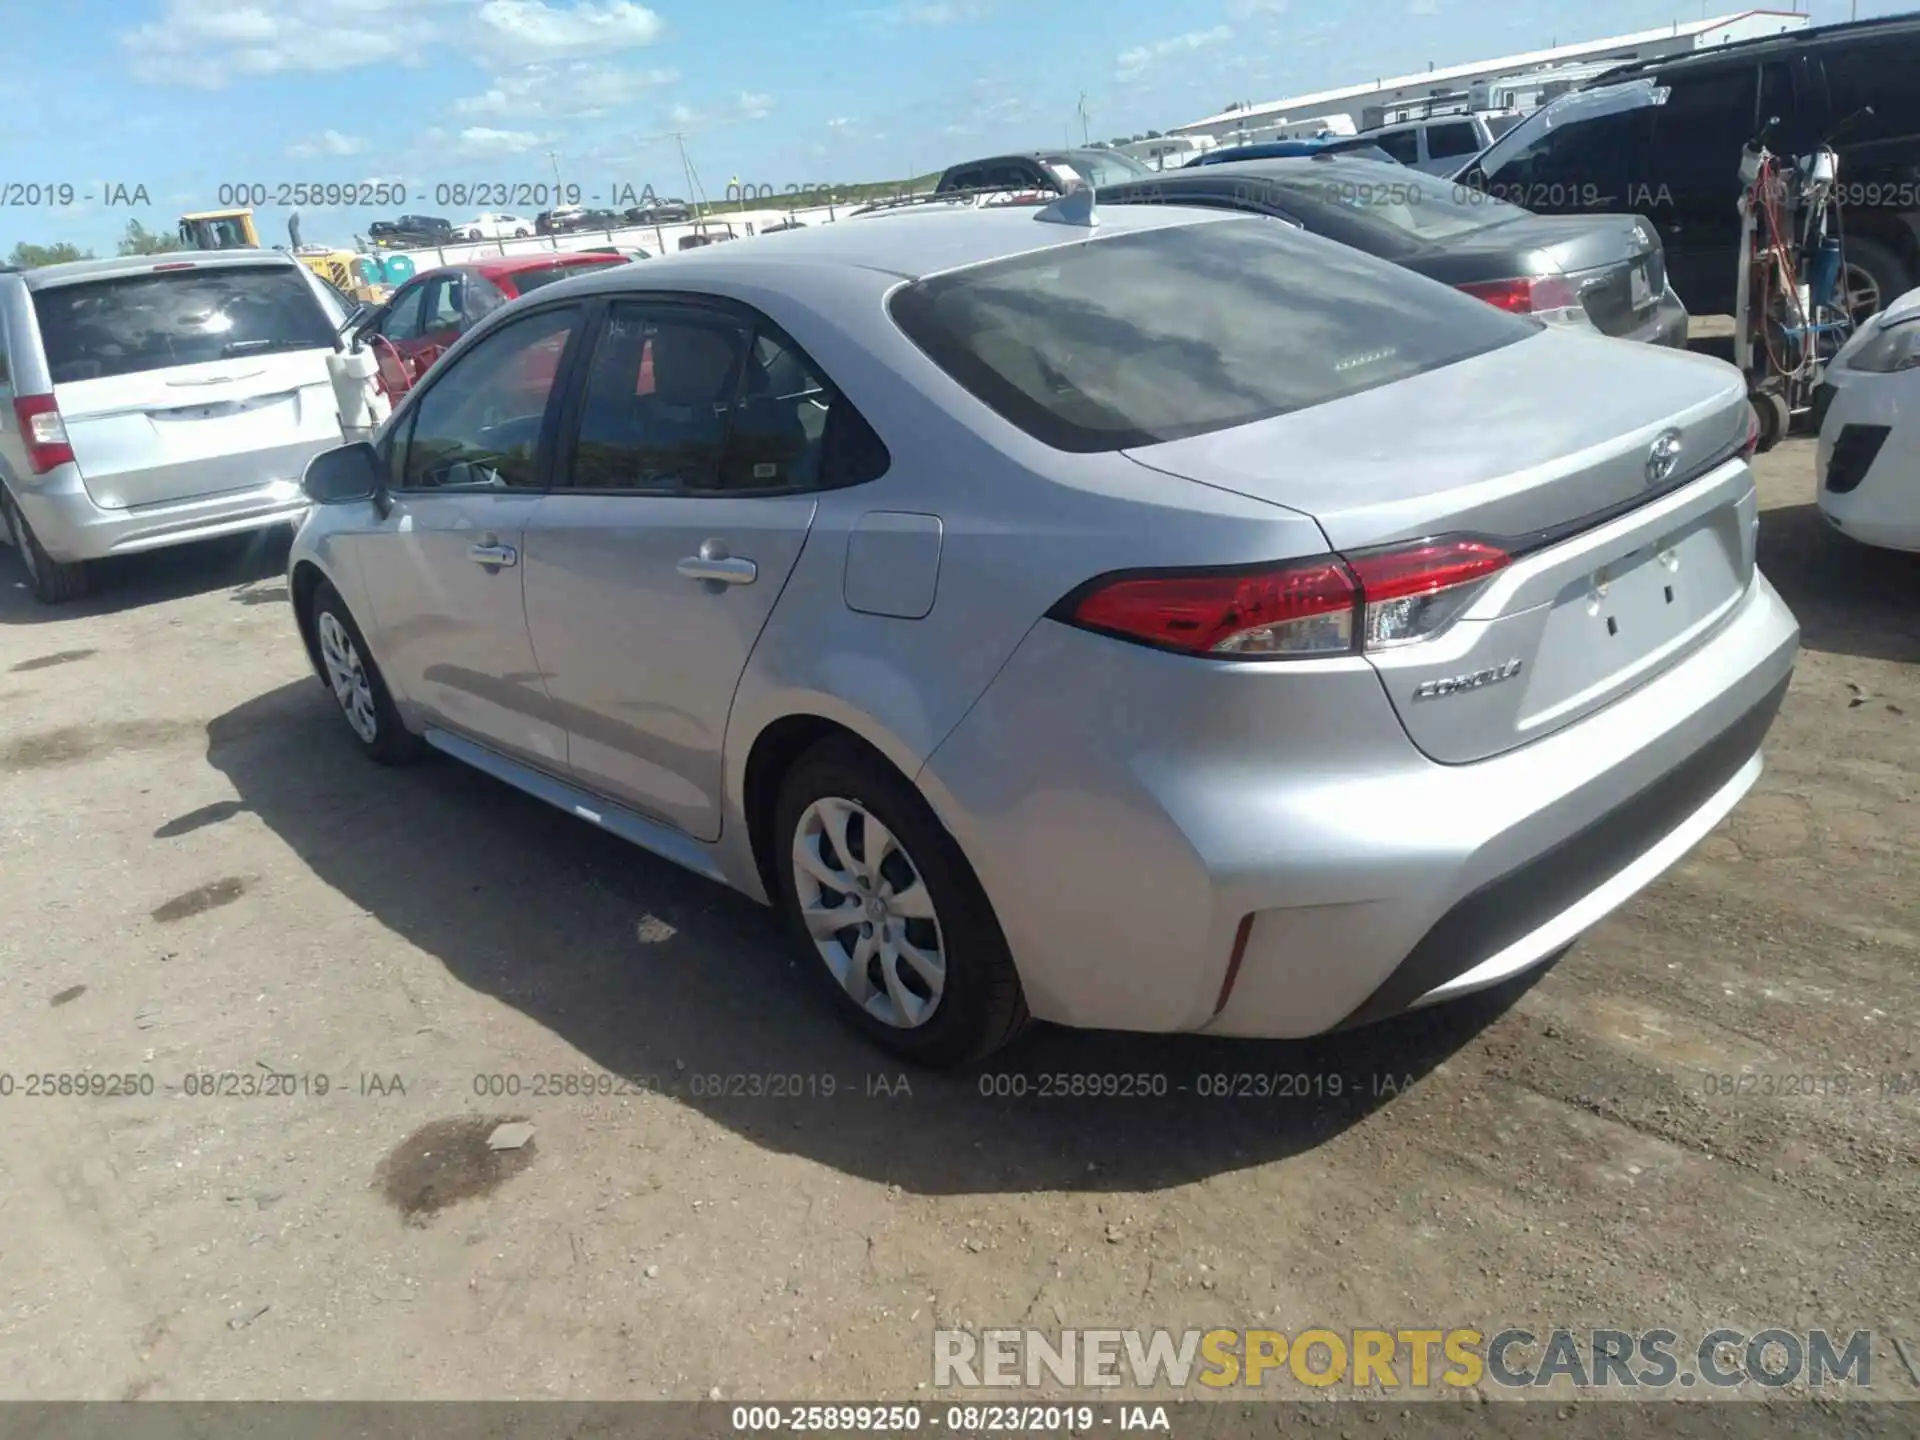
{"points": [[411, 230], [1674, 157], [1045, 170]]}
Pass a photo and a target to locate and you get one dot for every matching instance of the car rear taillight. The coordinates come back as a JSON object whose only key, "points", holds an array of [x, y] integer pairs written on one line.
{"points": [[43, 431], [1528, 295], [1752, 442], [1302, 609], [1413, 592]]}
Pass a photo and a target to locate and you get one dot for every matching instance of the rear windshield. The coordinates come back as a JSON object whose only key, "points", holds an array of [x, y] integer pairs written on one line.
{"points": [[102, 328], [1111, 343], [1414, 210], [525, 280]]}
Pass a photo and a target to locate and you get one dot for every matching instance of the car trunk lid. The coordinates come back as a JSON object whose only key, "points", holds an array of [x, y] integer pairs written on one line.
{"points": [[1622, 565], [1614, 262]]}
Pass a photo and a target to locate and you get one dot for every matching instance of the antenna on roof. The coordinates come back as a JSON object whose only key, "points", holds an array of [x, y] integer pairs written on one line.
{"points": [[1073, 208]]}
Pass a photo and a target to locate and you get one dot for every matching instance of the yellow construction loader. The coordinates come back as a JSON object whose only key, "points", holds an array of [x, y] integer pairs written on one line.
{"points": [[354, 274]]}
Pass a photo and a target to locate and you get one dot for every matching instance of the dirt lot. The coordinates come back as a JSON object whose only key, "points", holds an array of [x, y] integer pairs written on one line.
{"points": [[201, 877]]}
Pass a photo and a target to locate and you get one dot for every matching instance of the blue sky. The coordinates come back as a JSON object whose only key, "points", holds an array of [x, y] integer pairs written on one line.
{"points": [[181, 96]]}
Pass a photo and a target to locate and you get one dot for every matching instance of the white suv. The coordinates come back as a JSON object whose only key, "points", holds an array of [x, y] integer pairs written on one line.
{"points": [[154, 400]]}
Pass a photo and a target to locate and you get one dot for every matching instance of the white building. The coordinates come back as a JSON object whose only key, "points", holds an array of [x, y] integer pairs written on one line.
{"points": [[1451, 88]]}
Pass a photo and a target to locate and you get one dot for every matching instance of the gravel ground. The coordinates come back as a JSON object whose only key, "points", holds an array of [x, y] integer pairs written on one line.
{"points": [[202, 878]]}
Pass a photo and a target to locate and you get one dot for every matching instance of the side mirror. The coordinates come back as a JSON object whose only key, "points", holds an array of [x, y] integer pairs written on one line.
{"points": [[343, 474]]}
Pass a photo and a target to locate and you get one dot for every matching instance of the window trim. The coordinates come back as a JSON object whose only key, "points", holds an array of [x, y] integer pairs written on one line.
{"points": [[543, 455], [746, 319]]}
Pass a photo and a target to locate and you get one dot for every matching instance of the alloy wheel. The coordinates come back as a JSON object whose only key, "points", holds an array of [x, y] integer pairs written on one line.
{"points": [[348, 677], [869, 912], [1862, 294]]}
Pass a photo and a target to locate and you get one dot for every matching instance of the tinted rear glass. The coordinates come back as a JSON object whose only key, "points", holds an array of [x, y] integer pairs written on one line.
{"points": [[123, 326], [1382, 208], [525, 280], [1118, 342]]}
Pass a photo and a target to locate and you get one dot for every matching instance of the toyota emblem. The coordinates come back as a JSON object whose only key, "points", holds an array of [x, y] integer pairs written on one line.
{"points": [[1663, 458]]}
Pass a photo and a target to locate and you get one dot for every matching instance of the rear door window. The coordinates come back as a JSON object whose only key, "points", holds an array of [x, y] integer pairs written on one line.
{"points": [[1881, 75], [1453, 138], [1707, 117], [1156, 335], [1402, 145], [129, 324]]}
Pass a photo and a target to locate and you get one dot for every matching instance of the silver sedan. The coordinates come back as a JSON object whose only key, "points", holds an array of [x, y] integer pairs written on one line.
{"points": [[1151, 619]]}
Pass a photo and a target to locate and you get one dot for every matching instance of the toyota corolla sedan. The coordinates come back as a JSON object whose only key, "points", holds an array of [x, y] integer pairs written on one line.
{"points": [[1156, 619]]}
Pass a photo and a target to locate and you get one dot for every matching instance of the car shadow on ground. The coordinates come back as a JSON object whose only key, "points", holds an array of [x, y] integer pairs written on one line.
{"points": [[649, 971], [129, 582], [1850, 599]]}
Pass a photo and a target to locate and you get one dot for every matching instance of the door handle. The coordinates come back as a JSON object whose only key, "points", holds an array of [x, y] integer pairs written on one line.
{"points": [[493, 555], [726, 570], [714, 563]]}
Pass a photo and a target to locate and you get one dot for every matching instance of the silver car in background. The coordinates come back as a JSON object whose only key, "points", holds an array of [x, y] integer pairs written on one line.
{"points": [[1173, 623], [154, 400]]}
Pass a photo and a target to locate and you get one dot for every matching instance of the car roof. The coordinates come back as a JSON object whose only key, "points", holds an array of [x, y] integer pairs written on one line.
{"points": [[909, 247], [1863, 30], [516, 264], [115, 266]]}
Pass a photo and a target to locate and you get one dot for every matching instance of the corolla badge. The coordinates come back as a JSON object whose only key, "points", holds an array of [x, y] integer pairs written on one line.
{"points": [[1473, 680], [1664, 458]]}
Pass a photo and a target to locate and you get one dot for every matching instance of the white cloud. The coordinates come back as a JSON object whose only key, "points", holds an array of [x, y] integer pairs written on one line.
{"points": [[533, 30], [930, 12], [484, 140], [745, 105], [1423, 7], [1130, 64], [578, 89], [327, 142], [207, 43], [1251, 9]]}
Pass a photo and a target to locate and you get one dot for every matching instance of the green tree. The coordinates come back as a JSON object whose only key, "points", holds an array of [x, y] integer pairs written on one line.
{"points": [[29, 257], [141, 241]]}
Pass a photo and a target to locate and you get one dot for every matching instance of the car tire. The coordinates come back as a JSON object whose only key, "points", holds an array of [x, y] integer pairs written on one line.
{"points": [[1873, 263], [520, 234], [348, 671], [977, 1005], [52, 581]]}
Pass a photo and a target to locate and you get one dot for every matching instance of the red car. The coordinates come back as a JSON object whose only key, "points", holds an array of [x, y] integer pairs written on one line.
{"points": [[436, 307]]}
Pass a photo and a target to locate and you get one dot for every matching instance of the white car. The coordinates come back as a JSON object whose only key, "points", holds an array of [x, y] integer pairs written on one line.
{"points": [[495, 227], [1869, 458]]}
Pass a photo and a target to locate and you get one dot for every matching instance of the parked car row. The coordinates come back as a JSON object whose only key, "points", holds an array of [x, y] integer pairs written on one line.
{"points": [[1037, 626], [569, 219]]}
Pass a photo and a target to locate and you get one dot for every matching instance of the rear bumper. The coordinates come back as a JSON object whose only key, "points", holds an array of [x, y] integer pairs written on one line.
{"points": [[1177, 846], [1666, 326], [71, 527]]}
